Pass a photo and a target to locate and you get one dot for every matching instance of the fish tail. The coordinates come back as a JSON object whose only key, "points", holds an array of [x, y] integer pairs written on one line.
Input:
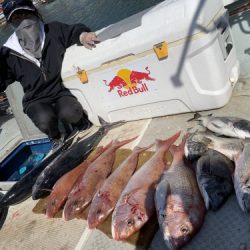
{"points": [[117, 144], [178, 151], [168, 142], [108, 125], [141, 149], [197, 116]]}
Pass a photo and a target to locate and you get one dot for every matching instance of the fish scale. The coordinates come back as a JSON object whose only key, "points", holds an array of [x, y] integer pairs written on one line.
{"points": [[185, 185]]}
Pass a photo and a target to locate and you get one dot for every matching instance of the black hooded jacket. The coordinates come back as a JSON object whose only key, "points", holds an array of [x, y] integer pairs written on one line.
{"points": [[42, 83]]}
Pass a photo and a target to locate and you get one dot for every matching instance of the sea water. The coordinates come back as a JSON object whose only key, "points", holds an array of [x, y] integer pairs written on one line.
{"points": [[96, 14]]}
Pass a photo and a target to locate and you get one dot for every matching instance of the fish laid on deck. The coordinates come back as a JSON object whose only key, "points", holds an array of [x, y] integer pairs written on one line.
{"points": [[84, 190], [228, 126], [198, 143], [136, 203], [71, 158], [64, 185], [179, 204], [242, 178], [106, 198], [214, 173]]}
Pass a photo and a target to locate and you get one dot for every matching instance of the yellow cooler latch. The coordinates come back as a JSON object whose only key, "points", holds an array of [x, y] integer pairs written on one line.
{"points": [[161, 50], [82, 75]]}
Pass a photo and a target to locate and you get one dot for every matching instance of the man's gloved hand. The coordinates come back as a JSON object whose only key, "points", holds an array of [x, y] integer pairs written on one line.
{"points": [[88, 39]]}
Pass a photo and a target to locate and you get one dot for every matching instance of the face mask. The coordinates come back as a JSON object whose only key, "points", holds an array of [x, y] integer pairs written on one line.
{"points": [[29, 36]]}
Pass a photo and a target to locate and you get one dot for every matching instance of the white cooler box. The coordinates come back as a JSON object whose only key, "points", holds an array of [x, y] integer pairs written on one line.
{"points": [[173, 58]]}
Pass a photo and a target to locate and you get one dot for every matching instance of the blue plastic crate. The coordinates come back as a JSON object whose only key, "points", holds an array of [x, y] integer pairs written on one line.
{"points": [[25, 157]]}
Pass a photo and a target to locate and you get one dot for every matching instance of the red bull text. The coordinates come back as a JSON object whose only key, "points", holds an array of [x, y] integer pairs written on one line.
{"points": [[127, 82]]}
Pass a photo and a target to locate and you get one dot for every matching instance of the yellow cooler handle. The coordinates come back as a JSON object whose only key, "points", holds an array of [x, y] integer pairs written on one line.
{"points": [[161, 50]]}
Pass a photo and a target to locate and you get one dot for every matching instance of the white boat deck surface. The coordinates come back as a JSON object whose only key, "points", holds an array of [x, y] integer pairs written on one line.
{"points": [[227, 228]]}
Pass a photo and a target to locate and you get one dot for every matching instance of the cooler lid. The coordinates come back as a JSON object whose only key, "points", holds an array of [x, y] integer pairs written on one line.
{"points": [[169, 21]]}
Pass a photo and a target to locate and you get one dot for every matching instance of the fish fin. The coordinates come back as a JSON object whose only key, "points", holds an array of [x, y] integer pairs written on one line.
{"points": [[117, 143], [195, 118], [178, 151], [141, 149], [102, 121], [129, 197], [218, 124], [168, 142], [161, 193], [110, 125]]}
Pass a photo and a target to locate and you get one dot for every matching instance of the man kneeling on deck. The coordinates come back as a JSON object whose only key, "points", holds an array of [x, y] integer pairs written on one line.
{"points": [[33, 56]]}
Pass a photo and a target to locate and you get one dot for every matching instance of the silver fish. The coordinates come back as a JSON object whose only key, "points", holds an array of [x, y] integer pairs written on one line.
{"points": [[228, 126], [242, 178], [214, 176]]}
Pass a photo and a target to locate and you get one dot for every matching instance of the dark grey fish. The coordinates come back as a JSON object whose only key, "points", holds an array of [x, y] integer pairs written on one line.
{"points": [[242, 178], [228, 126], [214, 176], [198, 143], [3, 213], [70, 159], [21, 190]]}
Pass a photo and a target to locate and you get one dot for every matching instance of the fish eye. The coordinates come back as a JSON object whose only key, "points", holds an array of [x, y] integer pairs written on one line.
{"points": [[99, 211], [130, 222], [184, 229], [139, 218]]}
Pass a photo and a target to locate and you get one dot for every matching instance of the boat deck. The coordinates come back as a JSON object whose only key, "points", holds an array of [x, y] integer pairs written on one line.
{"points": [[227, 228]]}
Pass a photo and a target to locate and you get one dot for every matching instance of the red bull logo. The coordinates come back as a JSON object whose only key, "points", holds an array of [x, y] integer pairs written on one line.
{"points": [[127, 82]]}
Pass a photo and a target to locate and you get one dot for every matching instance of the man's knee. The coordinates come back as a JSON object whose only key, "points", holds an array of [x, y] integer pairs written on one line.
{"points": [[46, 122], [71, 113]]}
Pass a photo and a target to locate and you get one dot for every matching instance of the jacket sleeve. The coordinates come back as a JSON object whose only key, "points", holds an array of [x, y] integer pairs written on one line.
{"points": [[6, 77], [70, 33]]}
